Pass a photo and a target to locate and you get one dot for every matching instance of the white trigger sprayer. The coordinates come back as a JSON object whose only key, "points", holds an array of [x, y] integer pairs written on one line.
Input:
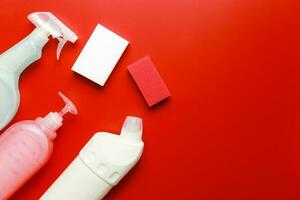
{"points": [[24, 53], [48, 24]]}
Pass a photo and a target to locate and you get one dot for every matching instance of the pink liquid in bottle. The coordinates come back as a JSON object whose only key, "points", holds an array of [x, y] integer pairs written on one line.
{"points": [[26, 147]]}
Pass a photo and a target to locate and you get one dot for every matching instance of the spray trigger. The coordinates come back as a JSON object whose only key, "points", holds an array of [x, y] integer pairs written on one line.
{"points": [[69, 107], [51, 25], [61, 44]]}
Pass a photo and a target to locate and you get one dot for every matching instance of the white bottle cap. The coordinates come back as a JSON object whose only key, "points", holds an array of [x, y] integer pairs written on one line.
{"points": [[132, 129]]}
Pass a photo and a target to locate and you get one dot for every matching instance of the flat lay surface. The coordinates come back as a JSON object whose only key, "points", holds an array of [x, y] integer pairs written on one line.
{"points": [[231, 127]]}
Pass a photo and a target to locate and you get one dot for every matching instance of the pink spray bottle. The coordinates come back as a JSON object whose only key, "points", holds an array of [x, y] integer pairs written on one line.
{"points": [[26, 146]]}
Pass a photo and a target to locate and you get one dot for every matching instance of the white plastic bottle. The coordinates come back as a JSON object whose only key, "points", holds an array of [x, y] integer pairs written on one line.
{"points": [[20, 56], [100, 165]]}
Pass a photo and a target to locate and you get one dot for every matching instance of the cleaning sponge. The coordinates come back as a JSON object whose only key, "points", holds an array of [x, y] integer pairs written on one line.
{"points": [[149, 81], [100, 55]]}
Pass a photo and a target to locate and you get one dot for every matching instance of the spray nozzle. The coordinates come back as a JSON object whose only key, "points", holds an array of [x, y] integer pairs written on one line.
{"points": [[53, 120], [69, 107], [53, 26]]}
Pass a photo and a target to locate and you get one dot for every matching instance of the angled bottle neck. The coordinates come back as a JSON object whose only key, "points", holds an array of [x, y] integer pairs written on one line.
{"points": [[24, 53], [49, 124]]}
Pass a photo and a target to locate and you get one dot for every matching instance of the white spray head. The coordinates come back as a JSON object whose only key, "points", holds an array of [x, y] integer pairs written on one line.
{"points": [[53, 26]]}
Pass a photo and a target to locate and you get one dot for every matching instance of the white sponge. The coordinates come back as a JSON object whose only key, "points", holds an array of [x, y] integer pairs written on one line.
{"points": [[100, 55]]}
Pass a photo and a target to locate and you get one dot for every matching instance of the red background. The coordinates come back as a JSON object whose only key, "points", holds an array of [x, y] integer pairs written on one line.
{"points": [[230, 129]]}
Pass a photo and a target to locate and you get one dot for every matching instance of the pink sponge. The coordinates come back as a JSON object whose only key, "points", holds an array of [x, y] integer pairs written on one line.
{"points": [[149, 81]]}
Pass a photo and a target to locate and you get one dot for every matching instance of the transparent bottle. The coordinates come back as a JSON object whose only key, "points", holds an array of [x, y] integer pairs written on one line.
{"points": [[26, 146], [20, 56]]}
